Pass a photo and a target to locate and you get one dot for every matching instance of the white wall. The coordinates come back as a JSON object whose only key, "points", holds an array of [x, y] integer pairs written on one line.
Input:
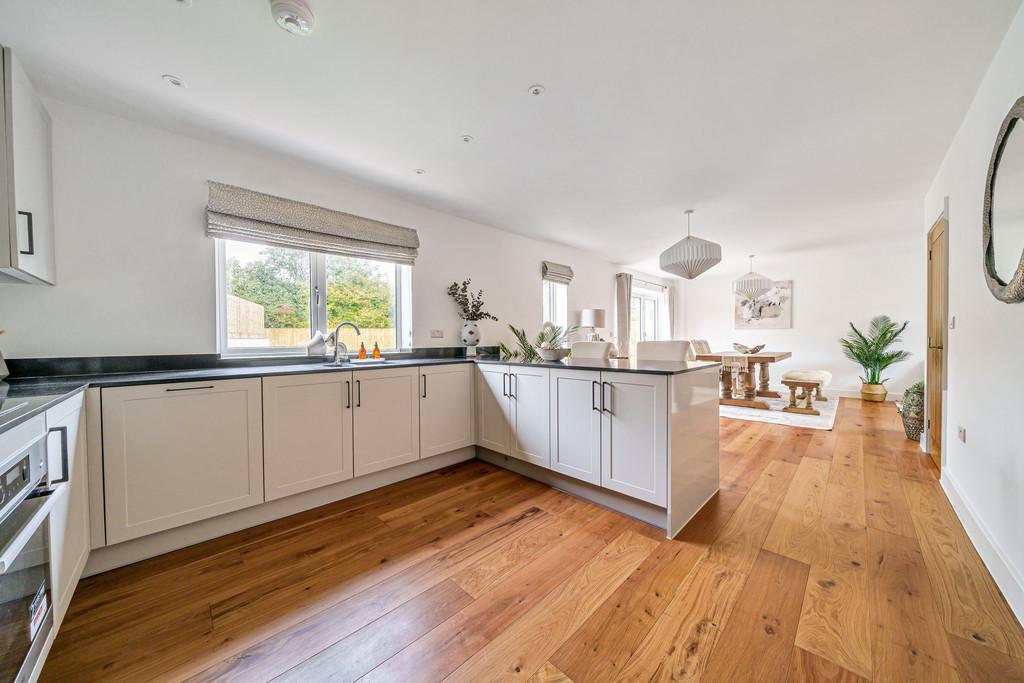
{"points": [[985, 475], [833, 285], [135, 270]]}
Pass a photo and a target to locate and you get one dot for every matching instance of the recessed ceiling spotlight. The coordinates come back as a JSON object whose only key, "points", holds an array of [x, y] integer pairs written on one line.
{"points": [[420, 171], [293, 16], [536, 89], [173, 80], [466, 138]]}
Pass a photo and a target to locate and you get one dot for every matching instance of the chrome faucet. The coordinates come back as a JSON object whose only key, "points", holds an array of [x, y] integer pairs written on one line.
{"points": [[339, 345]]}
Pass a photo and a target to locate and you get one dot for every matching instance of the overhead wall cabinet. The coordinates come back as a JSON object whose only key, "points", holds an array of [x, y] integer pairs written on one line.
{"points": [[26, 192]]}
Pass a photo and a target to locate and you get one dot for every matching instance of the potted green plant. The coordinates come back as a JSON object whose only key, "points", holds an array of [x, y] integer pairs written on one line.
{"points": [[873, 353], [549, 345], [912, 410]]}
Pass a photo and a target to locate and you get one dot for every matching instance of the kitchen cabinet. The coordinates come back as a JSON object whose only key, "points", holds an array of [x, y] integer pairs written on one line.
{"points": [[576, 424], [26, 191], [494, 410], [446, 408], [69, 516], [634, 435], [386, 418], [180, 452], [529, 395], [307, 432]]}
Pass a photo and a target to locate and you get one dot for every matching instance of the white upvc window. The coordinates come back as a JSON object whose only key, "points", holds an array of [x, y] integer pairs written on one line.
{"points": [[271, 300], [556, 303], [648, 316]]}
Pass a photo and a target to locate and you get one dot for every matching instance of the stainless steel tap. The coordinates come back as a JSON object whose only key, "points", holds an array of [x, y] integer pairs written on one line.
{"points": [[339, 355]]}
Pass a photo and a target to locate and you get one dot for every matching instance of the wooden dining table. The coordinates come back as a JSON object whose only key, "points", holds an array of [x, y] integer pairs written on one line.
{"points": [[762, 359]]}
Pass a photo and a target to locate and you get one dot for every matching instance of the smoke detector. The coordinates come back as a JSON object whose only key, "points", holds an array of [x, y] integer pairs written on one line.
{"points": [[293, 16]]}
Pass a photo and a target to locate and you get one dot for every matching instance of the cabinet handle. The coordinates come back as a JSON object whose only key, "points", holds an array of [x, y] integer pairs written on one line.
{"points": [[513, 376], [424, 385], [64, 459], [348, 392], [603, 406], [504, 379], [31, 235], [593, 401], [210, 386], [359, 394]]}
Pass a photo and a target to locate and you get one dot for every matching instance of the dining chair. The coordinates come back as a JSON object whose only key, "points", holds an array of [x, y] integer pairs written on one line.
{"points": [[586, 349], [675, 350], [700, 346]]}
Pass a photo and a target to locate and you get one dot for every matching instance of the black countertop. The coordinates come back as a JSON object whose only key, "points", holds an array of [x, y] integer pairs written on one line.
{"points": [[20, 401], [613, 365]]}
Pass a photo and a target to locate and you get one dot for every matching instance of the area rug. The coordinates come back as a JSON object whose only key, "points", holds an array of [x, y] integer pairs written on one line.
{"points": [[776, 416]]}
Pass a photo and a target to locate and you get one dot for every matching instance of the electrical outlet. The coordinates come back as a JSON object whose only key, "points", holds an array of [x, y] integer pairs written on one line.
{"points": [[961, 433], [437, 334]]}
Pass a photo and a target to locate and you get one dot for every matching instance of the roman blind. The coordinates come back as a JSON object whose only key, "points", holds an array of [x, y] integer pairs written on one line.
{"points": [[556, 272], [240, 214]]}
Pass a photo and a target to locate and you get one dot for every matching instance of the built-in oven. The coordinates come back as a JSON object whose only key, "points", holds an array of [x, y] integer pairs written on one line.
{"points": [[26, 615]]}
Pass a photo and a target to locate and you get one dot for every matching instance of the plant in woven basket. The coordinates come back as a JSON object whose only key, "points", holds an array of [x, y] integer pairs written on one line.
{"points": [[872, 352]]}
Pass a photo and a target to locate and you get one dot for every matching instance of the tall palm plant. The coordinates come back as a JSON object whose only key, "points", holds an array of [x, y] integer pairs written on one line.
{"points": [[871, 351]]}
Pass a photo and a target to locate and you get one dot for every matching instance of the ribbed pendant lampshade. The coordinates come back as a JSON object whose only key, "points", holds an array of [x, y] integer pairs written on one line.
{"points": [[690, 256], [752, 285]]}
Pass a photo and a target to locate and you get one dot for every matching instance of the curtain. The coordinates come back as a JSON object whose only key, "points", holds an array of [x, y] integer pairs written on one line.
{"points": [[556, 272], [240, 214], [670, 295], [623, 292]]}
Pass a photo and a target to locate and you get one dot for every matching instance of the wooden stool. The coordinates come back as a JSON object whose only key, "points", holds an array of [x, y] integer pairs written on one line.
{"points": [[808, 389]]}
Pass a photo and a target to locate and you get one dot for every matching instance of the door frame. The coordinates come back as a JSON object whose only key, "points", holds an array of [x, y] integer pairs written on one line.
{"points": [[938, 231]]}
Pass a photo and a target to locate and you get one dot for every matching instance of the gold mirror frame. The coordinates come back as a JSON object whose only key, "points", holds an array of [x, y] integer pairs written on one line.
{"points": [[1011, 292]]}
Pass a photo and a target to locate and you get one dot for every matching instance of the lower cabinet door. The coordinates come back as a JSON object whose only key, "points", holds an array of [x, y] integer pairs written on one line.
{"points": [[531, 434], [307, 432], [180, 452], [69, 517], [576, 424], [493, 412], [446, 408], [386, 418], [634, 435]]}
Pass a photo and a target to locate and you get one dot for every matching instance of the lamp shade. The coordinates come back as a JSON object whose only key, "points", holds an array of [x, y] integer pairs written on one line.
{"points": [[592, 317], [690, 256], [752, 285]]}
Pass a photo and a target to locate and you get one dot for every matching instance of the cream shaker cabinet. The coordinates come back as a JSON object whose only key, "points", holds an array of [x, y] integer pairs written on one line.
{"points": [[528, 393], [386, 418], [494, 410], [26, 191], [634, 435], [180, 452], [69, 517], [307, 432], [576, 424], [446, 408]]}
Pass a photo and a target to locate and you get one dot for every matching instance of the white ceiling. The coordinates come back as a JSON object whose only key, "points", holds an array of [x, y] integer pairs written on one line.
{"points": [[785, 124]]}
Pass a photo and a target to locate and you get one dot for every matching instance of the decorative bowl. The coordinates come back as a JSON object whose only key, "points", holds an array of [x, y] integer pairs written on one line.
{"points": [[748, 349], [552, 355]]}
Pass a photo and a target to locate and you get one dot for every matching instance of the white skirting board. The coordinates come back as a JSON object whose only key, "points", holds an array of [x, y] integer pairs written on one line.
{"points": [[1006, 576], [111, 557], [637, 509]]}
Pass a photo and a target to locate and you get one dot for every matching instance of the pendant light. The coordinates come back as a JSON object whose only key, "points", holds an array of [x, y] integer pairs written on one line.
{"points": [[690, 256], [752, 285]]}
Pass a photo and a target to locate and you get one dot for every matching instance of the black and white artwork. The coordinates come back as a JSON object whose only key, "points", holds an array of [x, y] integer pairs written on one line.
{"points": [[773, 310]]}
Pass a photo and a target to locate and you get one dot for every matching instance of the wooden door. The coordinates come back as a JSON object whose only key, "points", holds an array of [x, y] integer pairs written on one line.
{"points": [[446, 408], [386, 419], [531, 432], [576, 424], [634, 435], [180, 452], [494, 411], [307, 432], [937, 288]]}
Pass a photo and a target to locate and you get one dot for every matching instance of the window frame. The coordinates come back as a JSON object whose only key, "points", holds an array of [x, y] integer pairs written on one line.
{"points": [[317, 307], [549, 301]]}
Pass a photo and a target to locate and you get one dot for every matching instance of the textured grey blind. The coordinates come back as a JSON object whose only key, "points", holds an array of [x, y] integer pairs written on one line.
{"points": [[239, 214], [556, 272]]}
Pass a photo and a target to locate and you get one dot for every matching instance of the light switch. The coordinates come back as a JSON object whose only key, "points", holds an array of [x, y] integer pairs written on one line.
{"points": [[952, 322], [961, 433], [437, 334]]}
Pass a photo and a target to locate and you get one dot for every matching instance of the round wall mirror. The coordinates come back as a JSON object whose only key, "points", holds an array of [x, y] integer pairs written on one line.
{"points": [[1003, 219]]}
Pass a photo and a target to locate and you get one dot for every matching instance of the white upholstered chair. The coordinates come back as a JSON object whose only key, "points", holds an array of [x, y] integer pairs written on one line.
{"points": [[663, 350], [700, 346], [586, 349]]}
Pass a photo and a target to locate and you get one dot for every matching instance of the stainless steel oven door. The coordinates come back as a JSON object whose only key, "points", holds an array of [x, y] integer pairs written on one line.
{"points": [[26, 614]]}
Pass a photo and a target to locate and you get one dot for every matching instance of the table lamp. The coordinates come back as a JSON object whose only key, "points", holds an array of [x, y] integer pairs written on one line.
{"points": [[592, 318]]}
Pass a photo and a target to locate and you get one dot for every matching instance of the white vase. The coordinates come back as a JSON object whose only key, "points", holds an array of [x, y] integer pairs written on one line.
{"points": [[470, 333]]}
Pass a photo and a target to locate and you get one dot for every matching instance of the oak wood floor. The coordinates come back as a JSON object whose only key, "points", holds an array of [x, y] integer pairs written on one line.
{"points": [[826, 556]]}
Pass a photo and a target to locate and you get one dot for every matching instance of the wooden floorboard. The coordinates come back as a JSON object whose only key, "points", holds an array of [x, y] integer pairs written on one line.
{"points": [[826, 555]]}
